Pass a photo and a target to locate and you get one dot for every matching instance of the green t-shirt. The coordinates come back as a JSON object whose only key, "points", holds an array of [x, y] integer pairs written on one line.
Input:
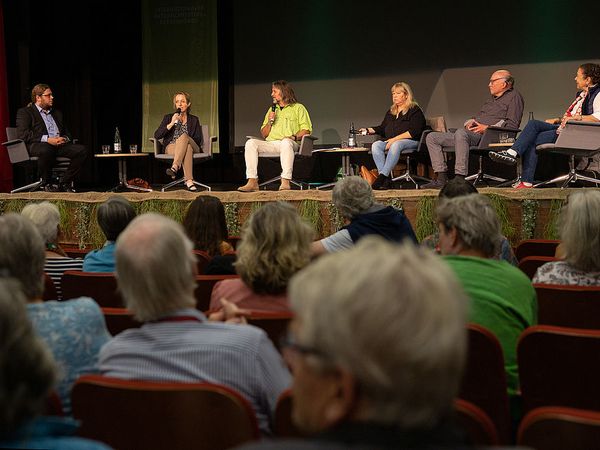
{"points": [[288, 121], [503, 300]]}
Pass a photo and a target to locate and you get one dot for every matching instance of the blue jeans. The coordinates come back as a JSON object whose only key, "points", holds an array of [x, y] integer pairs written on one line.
{"points": [[386, 164], [535, 133]]}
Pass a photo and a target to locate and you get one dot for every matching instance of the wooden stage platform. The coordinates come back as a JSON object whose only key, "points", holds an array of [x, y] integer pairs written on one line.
{"points": [[525, 213]]}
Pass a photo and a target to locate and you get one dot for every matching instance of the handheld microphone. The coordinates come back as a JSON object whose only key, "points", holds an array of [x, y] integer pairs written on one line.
{"points": [[178, 123], [274, 105]]}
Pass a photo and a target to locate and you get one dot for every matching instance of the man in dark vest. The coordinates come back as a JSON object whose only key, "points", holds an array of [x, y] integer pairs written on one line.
{"points": [[43, 130]]}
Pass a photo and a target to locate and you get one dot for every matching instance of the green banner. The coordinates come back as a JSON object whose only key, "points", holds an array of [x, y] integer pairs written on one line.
{"points": [[179, 54]]}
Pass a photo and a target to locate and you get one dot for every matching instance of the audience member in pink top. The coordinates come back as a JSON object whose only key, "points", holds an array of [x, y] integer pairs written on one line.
{"points": [[275, 245]]}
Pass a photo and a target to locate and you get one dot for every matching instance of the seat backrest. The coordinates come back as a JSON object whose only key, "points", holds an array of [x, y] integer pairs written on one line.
{"points": [[556, 428], [437, 123], [283, 426], [559, 367], [536, 247], [49, 288], [530, 264], [484, 380], [580, 135], [568, 306], [275, 324], [119, 319], [16, 148], [202, 260], [306, 145], [101, 286], [204, 287], [152, 415], [475, 423], [207, 142]]}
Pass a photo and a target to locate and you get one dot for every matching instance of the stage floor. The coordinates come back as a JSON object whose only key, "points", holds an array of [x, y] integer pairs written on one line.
{"points": [[524, 213]]}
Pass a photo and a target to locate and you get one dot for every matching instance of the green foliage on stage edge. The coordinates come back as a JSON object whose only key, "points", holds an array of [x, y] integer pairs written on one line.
{"points": [[529, 218], [500, 204], [231, 218], [425, 222], [551, 230], [335, 219]]}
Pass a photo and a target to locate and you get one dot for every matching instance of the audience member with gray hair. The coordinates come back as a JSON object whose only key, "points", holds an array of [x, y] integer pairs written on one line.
{"points": [[580, 233], [382, 375], [46, 217], [502, 297], [74, 330], [155, 274], [113, 216], [27, 376], [275, 245], [354, 199]]}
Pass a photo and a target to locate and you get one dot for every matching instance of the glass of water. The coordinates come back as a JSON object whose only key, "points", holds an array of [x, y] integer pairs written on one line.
{"points": [[105, 149], [133, 148]]}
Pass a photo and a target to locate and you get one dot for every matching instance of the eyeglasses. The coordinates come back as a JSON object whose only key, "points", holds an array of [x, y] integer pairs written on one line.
{"points": [[47, 95], [493, 80], [288, 342]]}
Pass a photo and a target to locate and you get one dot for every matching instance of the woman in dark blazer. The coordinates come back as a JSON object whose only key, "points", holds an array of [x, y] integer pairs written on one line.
{"points": [[401, 130], [182, 136]]}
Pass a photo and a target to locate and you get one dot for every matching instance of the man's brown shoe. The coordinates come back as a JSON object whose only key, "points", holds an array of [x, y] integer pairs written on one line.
{"points": [[250, 186]]}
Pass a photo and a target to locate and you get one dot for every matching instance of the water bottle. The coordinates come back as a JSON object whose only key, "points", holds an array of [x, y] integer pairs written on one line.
{"points": [[117, 141], [352, 136], [530, 116]]}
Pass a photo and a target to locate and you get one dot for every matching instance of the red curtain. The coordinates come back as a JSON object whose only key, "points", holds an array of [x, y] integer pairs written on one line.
{"points": [[6, 176]]}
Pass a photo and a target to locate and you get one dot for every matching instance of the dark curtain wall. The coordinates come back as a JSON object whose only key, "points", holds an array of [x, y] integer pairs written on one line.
{"points": [[90, 55]]}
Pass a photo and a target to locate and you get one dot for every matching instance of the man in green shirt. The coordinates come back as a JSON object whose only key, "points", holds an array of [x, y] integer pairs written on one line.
{"points": [[503, 299], [283, 127]]}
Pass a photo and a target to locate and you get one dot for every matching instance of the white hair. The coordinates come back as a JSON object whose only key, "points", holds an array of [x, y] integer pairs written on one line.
{"points": [[394, 316], [580, 230], [155, 267], [46, 217], [352, 196]]}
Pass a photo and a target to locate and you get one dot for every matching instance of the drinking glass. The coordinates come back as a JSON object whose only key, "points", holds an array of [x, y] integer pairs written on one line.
{"points": [[105, 149], [133, 148], [503, 138]]}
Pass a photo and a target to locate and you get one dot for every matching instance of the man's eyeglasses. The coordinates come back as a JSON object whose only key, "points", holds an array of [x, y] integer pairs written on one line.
{"points": [[47, 95], [288, 342], [493, 80]]}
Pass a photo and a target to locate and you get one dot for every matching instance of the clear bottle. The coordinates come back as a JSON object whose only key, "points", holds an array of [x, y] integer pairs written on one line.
{"points": [[352, 136], [531, 116], [117, 141]]}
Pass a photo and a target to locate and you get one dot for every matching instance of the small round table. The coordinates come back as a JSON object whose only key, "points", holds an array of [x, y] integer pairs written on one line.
{"points": [[122, 160]]}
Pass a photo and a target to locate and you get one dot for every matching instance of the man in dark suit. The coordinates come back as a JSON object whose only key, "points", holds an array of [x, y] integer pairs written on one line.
{"points": [[42, 129]]}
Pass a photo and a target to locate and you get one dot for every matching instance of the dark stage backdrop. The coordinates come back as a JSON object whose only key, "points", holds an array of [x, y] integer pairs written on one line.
{"points": [[343, 55]]}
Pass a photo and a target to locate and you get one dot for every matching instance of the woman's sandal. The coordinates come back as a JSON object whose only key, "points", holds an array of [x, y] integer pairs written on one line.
{"points": [[191, 187], [172, 172]]}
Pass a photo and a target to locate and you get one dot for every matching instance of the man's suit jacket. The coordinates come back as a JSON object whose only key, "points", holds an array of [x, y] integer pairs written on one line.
{"points": [[31, 127]]}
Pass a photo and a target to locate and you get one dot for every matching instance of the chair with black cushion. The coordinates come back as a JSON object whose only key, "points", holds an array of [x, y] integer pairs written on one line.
{"points": [[18, 153], [491, 136], [151, 415], [530, 264], [568, 306], [556, 428], [204, 287], [204, 155], [484, 379], [559, 366], [577, 140], [437, 124], [536, 247], [475, 423], [304, 151], [101, 286]]}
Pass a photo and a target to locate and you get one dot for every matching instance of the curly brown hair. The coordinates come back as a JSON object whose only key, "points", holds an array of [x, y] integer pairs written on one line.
{"points": [[205, 224]]}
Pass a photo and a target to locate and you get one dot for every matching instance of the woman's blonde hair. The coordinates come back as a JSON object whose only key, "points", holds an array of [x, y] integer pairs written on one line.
{"points": [[275, 245], [410, 99]]}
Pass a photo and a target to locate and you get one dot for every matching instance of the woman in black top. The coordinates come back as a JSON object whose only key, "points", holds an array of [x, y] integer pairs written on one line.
{"points": [[400, 130], [182, 136]]}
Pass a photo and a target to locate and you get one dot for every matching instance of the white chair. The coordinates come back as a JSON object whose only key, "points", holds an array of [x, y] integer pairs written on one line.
{"points": [[304, 151], [204, 155], [577, 139], [18, 153]]}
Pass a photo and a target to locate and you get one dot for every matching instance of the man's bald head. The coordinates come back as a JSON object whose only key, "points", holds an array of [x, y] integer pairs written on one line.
{"points": [[500, 82]]}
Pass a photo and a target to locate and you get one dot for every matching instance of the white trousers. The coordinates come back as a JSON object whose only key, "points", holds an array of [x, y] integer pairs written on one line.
{"points": [[285, 148]]}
